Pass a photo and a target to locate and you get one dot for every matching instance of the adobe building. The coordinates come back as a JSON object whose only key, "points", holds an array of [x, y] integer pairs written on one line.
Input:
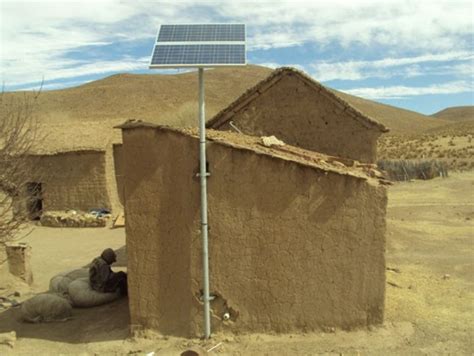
{"points": [[296, 238], [72, 167], [302, 112]]}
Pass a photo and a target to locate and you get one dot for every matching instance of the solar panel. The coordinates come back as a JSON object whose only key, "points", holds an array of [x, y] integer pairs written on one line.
{"points": [[199, 54], [199, 46], [187, 33]]}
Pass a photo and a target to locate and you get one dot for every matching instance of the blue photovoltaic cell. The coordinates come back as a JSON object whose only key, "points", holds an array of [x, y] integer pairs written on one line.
{"points": [[198, 54], [206, 33], [199, 45]]}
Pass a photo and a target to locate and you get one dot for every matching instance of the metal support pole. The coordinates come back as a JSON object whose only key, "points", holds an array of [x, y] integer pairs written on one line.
{"points": [[204, 226]]}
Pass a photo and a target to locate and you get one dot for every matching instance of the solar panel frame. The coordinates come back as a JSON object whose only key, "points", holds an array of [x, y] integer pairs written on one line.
{"points": [[238, 49]]}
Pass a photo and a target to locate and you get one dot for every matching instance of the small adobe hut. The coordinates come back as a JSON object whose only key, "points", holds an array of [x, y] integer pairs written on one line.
{"points": [[302, 112], [296, 238], [71, 167]]}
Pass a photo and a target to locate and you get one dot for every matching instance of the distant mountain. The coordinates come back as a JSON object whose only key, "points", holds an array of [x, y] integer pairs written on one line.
{"points": [[456, 113], [172, 100]]}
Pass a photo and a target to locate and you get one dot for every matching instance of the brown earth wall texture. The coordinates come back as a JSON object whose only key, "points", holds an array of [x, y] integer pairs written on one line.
{"points": [[292, 248], [300, 116], [112, 181], [73, 180], [162, 219], [118, 171]]}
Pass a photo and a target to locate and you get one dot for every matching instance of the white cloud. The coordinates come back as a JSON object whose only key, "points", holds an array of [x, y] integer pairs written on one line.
{"points": [[76, 69], [399, 91], [390, 67], [37, 37], [427, 25]]}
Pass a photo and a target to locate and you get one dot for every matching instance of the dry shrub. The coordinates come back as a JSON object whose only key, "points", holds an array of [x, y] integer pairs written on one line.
{"points": [[402, 170]]}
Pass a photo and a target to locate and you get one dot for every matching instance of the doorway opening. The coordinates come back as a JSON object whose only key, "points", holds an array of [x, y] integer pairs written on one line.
{"points": [[34, 203]]}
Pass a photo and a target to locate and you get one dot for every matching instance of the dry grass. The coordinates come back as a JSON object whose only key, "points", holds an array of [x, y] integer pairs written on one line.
{"points": [[452, 144]]}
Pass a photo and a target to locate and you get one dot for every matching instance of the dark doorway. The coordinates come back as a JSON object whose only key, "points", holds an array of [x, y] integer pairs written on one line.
{"points": [[34, 201]]}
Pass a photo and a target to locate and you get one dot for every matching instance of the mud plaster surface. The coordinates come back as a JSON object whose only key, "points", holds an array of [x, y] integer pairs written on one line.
{"points": [[292, 248], [428, 235], [301, 116]]}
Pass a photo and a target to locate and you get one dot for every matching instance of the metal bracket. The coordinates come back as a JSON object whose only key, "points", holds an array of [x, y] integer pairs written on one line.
{"points": [[211, 297]]}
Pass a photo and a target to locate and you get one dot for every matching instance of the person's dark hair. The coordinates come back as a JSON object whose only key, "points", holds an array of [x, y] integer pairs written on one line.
{"points": [[109, 256]]}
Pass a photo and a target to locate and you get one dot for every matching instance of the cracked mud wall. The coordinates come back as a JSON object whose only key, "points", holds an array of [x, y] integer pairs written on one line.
{"points": [[300, 116], [291, 248]]}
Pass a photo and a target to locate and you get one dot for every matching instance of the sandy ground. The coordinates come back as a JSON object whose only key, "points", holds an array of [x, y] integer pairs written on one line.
{"points": [[429, 299]]}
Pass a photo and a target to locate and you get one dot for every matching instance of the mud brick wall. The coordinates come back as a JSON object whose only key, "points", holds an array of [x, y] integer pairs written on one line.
{"points": [[292, 248], [72, 180], [297, 114]]}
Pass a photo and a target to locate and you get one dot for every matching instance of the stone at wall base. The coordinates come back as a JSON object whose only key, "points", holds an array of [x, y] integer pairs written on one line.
{"points": [[72, 219]]}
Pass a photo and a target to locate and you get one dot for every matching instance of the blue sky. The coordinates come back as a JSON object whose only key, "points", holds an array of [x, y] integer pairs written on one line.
{"points": [[414, 54]]}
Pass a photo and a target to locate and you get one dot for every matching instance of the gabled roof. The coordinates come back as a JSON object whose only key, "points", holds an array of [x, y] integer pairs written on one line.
{"points": [[225, 115], [300, 156]]}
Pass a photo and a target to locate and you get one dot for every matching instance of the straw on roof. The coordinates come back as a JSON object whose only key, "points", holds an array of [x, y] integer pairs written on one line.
{"points": [[319, 161]]}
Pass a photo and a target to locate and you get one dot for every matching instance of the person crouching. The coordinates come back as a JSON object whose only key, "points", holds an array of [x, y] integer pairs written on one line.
{"points": [[101, 276]]}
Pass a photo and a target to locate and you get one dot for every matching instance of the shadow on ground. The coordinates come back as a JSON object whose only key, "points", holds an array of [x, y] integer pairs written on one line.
{"points": [[103, 323]]}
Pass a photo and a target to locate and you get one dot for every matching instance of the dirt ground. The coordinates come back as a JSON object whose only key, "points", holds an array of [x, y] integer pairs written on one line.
{"points": [[429, 297]]}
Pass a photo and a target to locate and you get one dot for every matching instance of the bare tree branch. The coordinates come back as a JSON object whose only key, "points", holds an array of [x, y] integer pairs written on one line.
{"points": [[18, 134]]}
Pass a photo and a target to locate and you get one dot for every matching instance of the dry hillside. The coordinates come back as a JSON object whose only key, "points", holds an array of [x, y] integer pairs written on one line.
{"points": [[450, 142], [150, 97], [456, 113], [172, 99], [399, 121]]}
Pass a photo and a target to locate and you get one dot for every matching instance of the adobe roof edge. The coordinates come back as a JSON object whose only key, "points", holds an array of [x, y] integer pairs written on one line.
{"points": [[221, 117], [302, 157], [56, 152], [133, 123]]}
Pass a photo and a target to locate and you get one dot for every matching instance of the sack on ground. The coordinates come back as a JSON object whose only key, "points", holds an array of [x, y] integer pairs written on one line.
{"points": [[45, 307], [78, 273], [83, 296], [60, 282]]}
